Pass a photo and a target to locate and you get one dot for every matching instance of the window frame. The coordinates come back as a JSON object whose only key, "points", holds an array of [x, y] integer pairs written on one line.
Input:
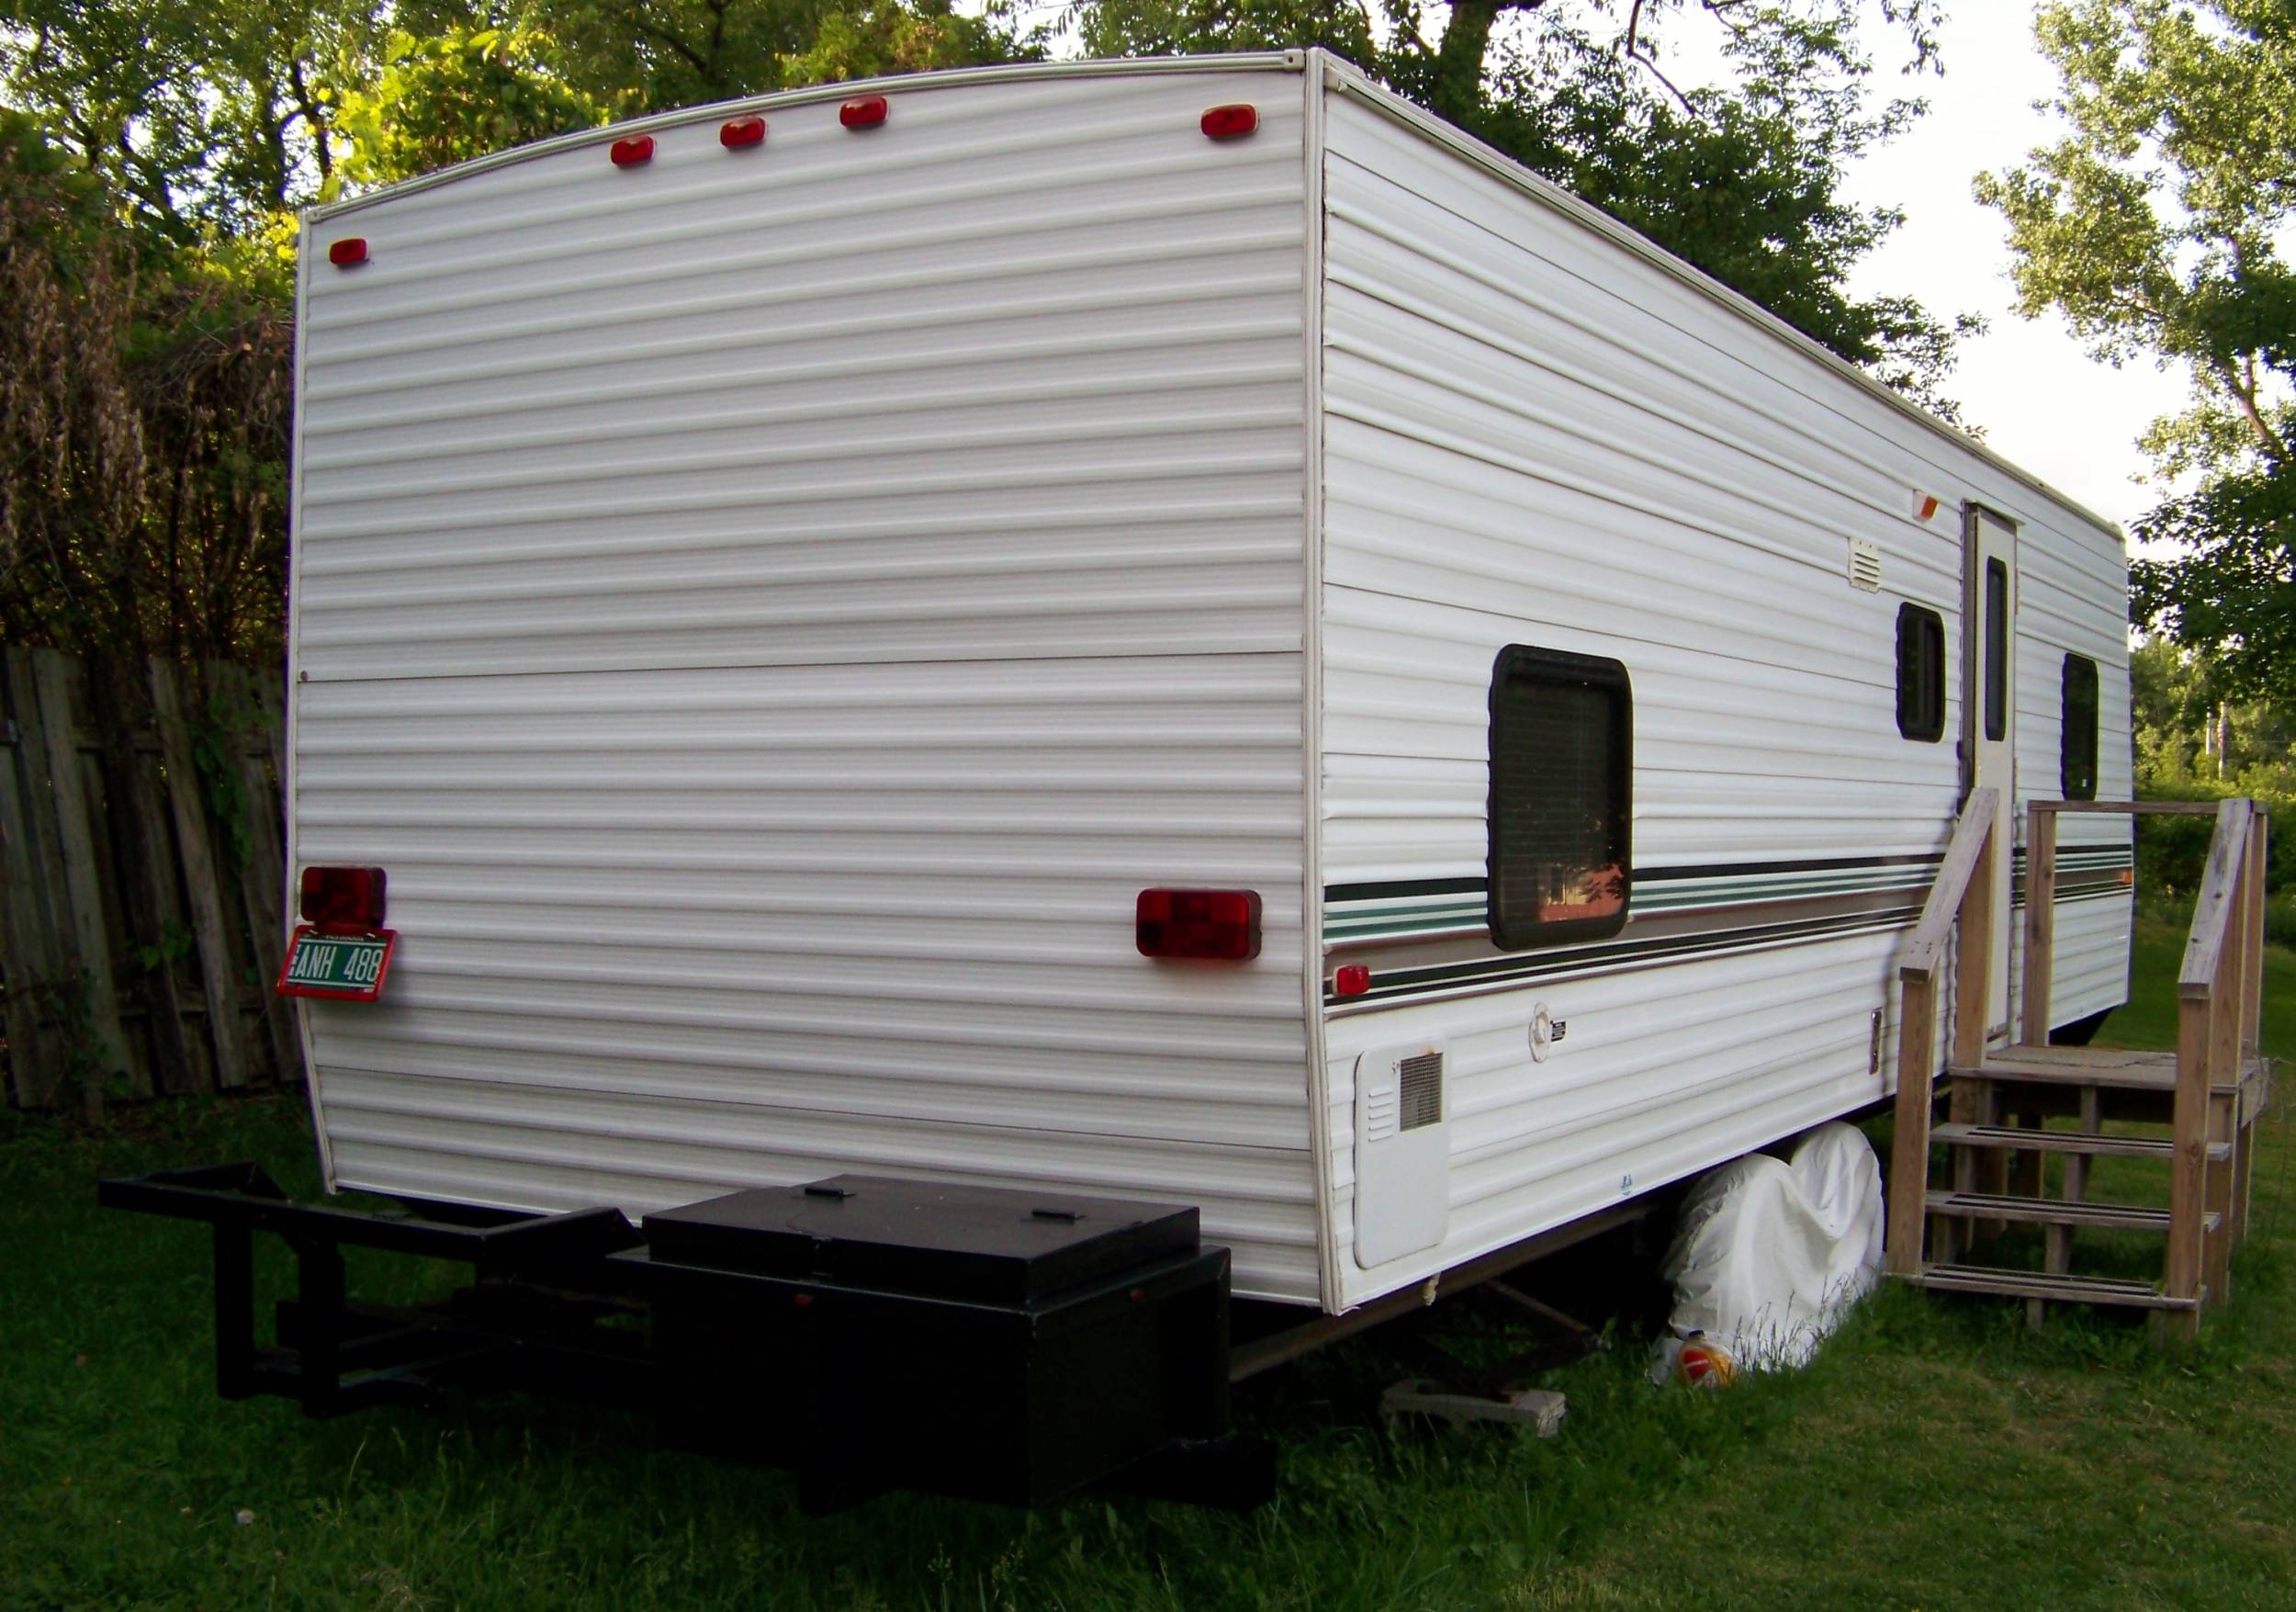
{"points": [[2088, 666], [1511, 932], [1996, 642], [1931, 674]]}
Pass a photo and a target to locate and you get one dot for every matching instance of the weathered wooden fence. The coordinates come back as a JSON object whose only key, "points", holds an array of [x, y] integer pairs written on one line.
{"points": [[141, 880]]}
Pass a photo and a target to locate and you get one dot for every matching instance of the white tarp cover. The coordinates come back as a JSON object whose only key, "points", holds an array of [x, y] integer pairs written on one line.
{"points": [[1771, 1253]]}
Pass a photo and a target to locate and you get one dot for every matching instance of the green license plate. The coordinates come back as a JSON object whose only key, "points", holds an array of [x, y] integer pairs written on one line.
{"points": [[347, 967]]}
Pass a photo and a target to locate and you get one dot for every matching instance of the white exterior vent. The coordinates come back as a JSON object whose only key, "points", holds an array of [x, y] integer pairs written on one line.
{"points": [[1865, 566], [1402, 1152], [1421, 1088]]}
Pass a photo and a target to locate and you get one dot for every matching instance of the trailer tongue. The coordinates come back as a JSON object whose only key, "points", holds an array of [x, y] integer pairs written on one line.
{"points": [[867, 1333]]}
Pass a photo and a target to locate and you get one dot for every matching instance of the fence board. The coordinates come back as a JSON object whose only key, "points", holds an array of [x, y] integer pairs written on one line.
{"points": [[218, 970], [261, 887], [145, 845], [41, 925], [82, 880], [25, 963], [262, 696], [111, 854]]}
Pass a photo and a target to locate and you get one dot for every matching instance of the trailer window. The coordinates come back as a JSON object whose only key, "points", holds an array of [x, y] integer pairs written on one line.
{"points": [[1920, 673], [1561, 762], [1997, 628], [2076, 755]]}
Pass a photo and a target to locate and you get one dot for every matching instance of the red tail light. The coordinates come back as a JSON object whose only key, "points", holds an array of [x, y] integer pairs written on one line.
{"points": [[1221, 926], [740, 133], [1232, 122], [630, 153], [351, 249], [350, 898], [1351, 981], [866, 112]]}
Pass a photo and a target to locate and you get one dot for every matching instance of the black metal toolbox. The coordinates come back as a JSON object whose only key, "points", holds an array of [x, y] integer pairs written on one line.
{"points": [[873, 1333]]}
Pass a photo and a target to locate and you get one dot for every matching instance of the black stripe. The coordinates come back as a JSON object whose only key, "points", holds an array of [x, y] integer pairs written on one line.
{"points": [[1488, 969], [1721, 870], [1725, 870], [1393, 889], [1403, 887]]}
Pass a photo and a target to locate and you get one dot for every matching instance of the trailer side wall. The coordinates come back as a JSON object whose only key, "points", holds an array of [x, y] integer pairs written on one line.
{"points": [[1536, 436]]}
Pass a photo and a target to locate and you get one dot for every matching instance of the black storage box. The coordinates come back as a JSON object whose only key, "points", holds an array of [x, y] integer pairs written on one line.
{"points": [[873, 1333]]}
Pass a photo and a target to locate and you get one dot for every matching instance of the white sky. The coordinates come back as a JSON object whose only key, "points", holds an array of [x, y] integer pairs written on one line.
{"points": [[2040, 398]]}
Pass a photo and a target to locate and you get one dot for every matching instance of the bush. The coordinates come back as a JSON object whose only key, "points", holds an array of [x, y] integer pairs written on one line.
{"points": [[2173, 852], [2279, 920]]}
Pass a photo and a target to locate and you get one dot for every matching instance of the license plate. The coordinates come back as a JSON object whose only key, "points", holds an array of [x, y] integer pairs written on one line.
{"points": [[349, 968]]}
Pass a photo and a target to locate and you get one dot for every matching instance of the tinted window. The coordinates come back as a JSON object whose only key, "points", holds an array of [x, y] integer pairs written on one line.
{"points": [[2076, 763], [1562, 741], [1996, 629], [1920, 673]]}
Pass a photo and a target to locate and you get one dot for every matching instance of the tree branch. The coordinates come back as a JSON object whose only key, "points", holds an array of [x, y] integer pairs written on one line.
{"points": [[1651, 67], [2274, 445], [314, 121]]}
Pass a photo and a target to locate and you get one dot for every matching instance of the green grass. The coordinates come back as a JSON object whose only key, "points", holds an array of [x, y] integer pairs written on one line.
{"points": [[1937, 1454]]}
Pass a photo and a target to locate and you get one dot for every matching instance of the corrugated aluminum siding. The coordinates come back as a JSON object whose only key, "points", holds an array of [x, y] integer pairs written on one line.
{"points": [[1533, 435], [769, 612], [2071, 600]]}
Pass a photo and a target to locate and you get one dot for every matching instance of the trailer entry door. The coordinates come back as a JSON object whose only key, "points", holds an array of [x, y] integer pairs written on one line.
{"points": [[1989, 717]]}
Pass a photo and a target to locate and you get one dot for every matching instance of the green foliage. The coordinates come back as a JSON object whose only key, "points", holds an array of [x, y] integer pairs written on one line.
{"points": [[201, 116], [880, 38], [144, 420], [1743, 180], [2194, 744], [2156, 228], [2279, 920], [175, 944], [646, 55], [434, 101]]}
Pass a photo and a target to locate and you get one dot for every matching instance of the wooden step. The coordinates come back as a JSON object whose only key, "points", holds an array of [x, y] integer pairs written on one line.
{"points": [[2020, 1139], [2056, 1212], [2110, 1068], [2058, 1290]]}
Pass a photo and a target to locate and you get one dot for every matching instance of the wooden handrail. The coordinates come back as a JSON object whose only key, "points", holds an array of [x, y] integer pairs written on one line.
{"points": [[1963, 890], [1925, 951], [2129, 808], [2219, 889], [2213, 987]]}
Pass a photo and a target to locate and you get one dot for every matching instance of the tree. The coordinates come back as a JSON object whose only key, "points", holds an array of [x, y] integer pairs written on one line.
{"points": [[2154, 228], [202, 116], [144, 420], [209, 118], [648, 55], [442, 98], [1741, 179]]}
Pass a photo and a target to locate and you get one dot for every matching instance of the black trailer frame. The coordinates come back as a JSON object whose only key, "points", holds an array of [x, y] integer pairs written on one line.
{"points": [[767, 1351]]}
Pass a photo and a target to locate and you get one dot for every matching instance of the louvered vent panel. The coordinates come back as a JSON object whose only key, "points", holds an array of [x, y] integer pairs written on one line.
{"points": [[1380, 1103], [1865, 565], [1422, 1090]]}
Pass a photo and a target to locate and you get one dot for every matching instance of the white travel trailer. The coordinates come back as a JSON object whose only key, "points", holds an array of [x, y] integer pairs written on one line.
{"points": [[800, 597]]}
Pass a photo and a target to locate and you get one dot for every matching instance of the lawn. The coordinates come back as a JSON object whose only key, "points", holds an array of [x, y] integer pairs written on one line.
{"points": [[1938, 1455]]}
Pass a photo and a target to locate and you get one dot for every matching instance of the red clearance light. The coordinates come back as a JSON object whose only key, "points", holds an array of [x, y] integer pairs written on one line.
{"points": [[349, 898], [741, 132], [1232, 122], [864, 113], [630, 153], [1351, 981], [1217, 925], [351, 249]]}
